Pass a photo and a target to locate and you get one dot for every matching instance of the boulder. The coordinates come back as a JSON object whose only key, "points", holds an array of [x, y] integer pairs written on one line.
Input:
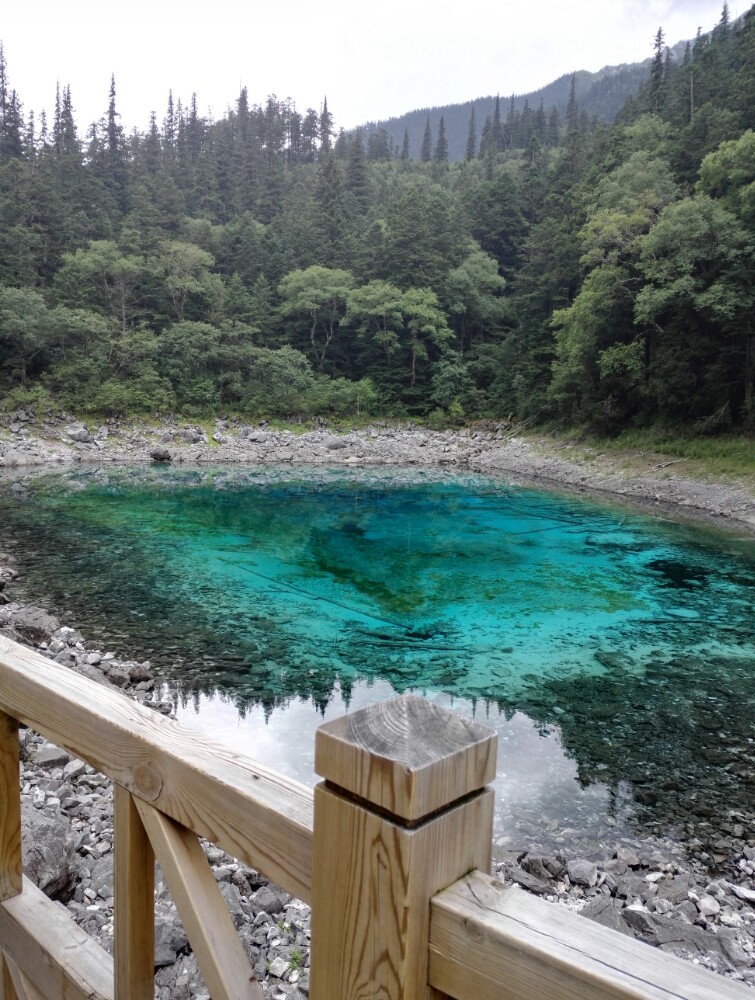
{"points": [[50, 860], [80, 434], [35, 625]]}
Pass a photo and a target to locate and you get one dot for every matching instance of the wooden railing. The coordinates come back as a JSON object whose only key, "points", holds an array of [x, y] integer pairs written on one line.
{"points": [[391, 850]]}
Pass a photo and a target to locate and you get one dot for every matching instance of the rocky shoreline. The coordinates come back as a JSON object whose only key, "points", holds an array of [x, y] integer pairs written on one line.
{"points": [[650, 894], [494, 450]]}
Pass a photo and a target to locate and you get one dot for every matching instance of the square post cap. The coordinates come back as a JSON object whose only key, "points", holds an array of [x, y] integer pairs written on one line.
{"points": [[407, 756]]}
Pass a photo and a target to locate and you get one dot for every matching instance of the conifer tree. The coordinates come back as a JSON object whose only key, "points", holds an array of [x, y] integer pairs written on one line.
{"points": [[169, 126], [655, 80], [115, 148], [572, 108], [357, 174], [471, 137], [427, 143], [441, 146], [496, 135], [405, 145], [326, 128]]}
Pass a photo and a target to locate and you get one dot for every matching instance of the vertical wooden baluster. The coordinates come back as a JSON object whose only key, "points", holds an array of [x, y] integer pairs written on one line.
{"points": [[403, 813], [134, 915], [10, 810], [7, 989]]}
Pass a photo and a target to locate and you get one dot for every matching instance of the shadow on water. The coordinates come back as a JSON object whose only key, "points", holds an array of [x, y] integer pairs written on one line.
{"points": [[613, 653]]}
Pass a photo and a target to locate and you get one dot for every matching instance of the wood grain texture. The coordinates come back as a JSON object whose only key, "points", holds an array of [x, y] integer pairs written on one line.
{"points": [[373, 881], [134, 913], [7, 989], [406, 756], [247, 809], [492, 942], [221, 957], [25, 990], [10, 809], [53, 952]]}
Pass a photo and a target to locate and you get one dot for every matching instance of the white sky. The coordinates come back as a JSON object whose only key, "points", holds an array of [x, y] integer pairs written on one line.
{"points": [[373, 61]]}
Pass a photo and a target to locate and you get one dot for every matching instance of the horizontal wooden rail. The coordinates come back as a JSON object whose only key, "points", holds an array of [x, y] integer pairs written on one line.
{"points": [[51, 951], [247, 809], [403, 812], [494, 942]]}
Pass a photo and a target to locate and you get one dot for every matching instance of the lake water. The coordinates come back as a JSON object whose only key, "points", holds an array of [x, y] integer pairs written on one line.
{"points": [[614, 653]]}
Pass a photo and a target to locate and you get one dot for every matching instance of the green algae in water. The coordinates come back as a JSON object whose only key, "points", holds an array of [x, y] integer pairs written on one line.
{"points": [[628, 641]]}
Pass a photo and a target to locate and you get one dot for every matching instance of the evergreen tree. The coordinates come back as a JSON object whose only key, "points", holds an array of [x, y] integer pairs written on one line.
{"points": [[441, 147], [115, 167], [357, 171], [655, 79], [425, 152], [471, 147], [405, 145], [326, 128], [496, 136]]}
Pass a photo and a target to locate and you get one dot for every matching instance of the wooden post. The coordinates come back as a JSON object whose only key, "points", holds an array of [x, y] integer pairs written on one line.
{"points": [[403, 813], [134, 903], [10, 810]]}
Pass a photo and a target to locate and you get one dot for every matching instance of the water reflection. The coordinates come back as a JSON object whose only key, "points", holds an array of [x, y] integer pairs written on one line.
{"points": [[545, 804]]}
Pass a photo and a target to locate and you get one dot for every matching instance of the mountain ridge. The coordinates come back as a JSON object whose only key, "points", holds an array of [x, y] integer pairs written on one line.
{"points": [[600, 94]]}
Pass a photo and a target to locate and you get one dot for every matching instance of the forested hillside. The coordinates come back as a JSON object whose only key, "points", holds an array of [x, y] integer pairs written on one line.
{"points": [[599, 275], [600, 95]]}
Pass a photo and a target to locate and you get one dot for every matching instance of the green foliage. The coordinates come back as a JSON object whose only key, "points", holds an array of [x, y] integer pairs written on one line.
{"points": [[536, 264]]}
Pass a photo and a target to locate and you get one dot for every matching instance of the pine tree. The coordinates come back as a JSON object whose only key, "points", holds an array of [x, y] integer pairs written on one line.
{"points": [[326, 128], [357, 171], [496, 134], [441, 146], [405, 145], [115, 148], [427, 143], [572, 108], [655, 79], [471, 137], [169, 128]]}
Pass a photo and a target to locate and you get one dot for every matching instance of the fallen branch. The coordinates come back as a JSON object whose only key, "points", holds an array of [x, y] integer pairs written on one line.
{"points": [[676, 461]]}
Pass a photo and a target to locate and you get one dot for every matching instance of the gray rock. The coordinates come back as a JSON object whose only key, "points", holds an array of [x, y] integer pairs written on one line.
{"points": [[102, 877], [232, 900], [333, 443], [582, 872], [48, 851], [267, 900], [80, 434], [535, 865], [708, 906], [35, 624], [641, 921], [675, 890], [51, 757], [527, 881], [161, 455], [279, 967], [170, 937], [608, 912]]}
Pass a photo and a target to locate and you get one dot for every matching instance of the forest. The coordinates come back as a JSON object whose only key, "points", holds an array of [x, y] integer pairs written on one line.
{"points": [[566, 270]]}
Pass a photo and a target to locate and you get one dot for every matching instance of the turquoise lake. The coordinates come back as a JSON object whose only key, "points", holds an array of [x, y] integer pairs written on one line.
{"points": [[613, 652]]}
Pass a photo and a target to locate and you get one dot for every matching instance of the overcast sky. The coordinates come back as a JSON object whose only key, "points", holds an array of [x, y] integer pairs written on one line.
{"points": [[373, 61]]}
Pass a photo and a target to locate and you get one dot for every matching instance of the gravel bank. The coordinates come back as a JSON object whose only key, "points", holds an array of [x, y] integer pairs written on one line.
{"points": [[494, 451]]}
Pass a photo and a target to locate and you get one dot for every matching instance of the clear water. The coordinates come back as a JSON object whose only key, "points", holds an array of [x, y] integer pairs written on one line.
{"points": [[614, 653]]}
